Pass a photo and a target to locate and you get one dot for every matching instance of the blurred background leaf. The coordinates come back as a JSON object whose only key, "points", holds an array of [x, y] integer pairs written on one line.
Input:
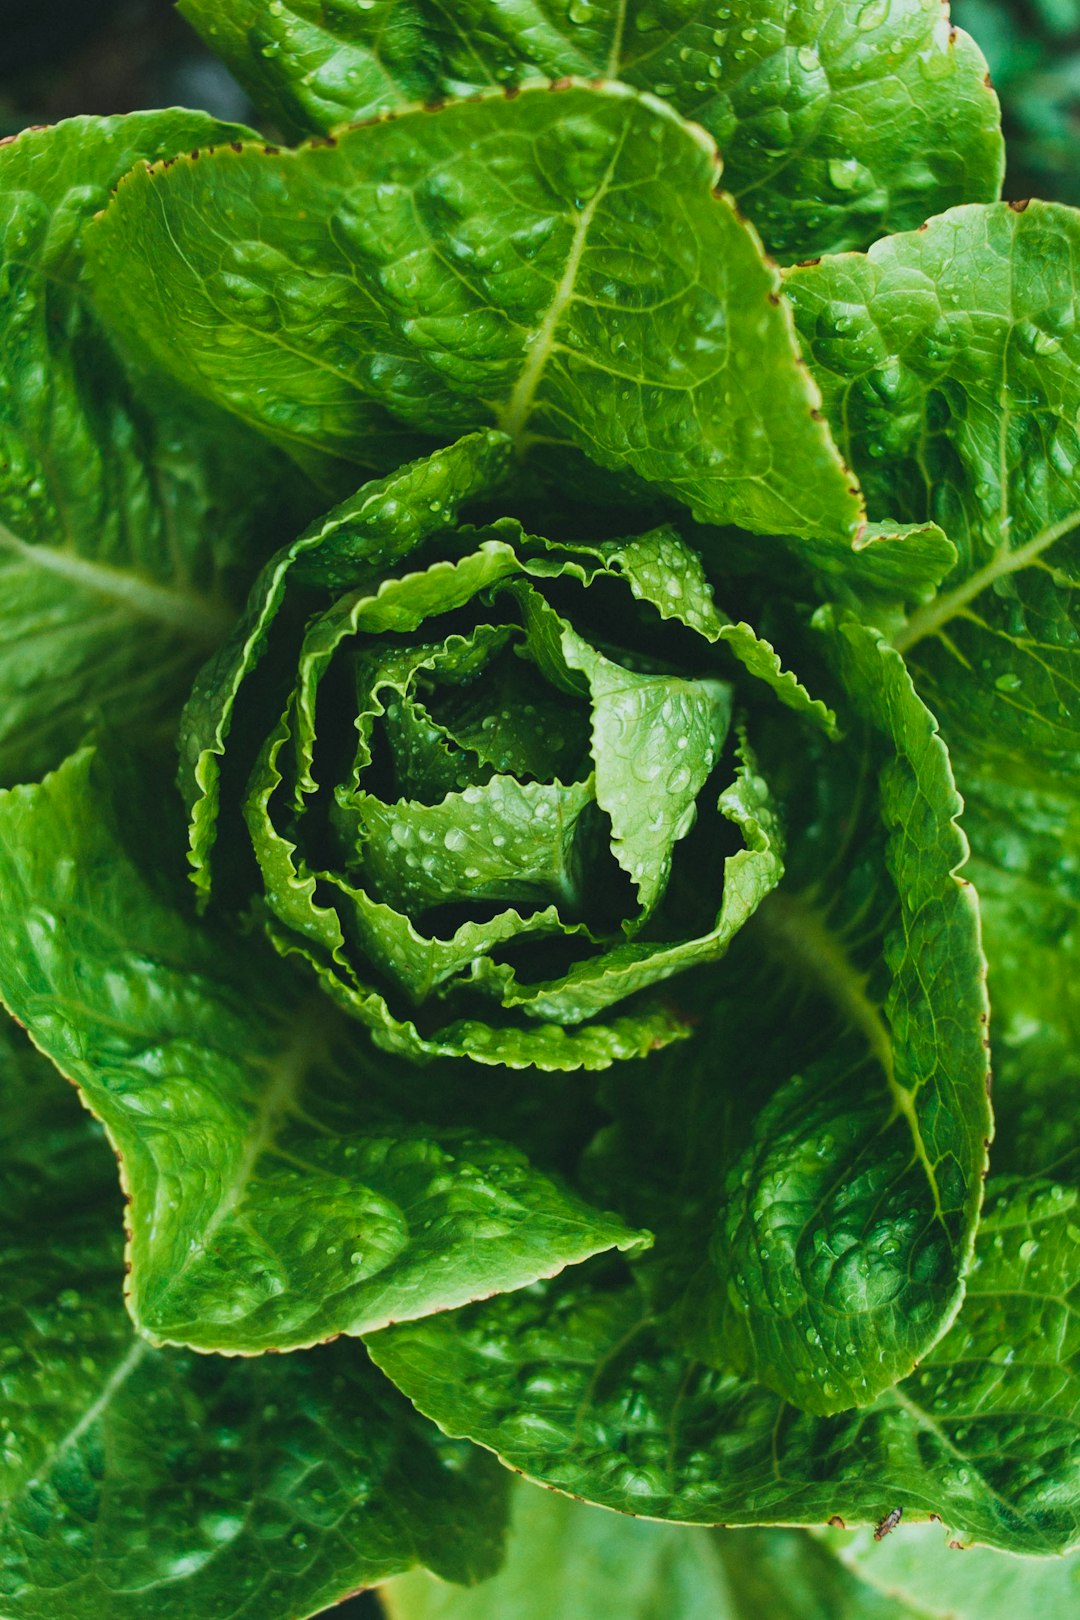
{"points": [[1033, 48]]}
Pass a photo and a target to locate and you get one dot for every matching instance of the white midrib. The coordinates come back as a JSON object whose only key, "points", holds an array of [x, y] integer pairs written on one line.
{"points": [[820, 957], [197, 617], [932, 618], [512, 416], [279, 1099], [112, 1385], [613, 63]]}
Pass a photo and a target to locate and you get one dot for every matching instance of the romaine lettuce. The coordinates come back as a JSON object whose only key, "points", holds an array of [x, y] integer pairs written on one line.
{"points": [[646, 756]]}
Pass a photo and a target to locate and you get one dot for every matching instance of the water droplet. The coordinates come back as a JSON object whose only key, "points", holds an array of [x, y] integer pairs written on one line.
{"points": [[873, 14], [848, 174], [937, 62], [221, 1527]]}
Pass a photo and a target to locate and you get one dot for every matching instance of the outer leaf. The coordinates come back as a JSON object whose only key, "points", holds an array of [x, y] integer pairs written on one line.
{"points": [[913, 1184], [837, 126], [157, 1485], [1027, 870], [577, 1384], [949, 360], [271, 1204], [830, 1136], [556, 264], [122, 514], [892, 569], [956, 351]]}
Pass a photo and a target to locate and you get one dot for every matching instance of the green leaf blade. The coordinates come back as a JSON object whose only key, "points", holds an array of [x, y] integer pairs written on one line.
{"points": [[125, 509], [313, 1213], [955, 351], [518, 333], [835, 128], [829, 1282], [967, 1439], [352, 543], [505, 841], [138, 1482]]}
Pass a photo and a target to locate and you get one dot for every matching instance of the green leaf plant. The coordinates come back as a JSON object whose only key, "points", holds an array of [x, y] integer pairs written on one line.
{"points": [[539, 747]]}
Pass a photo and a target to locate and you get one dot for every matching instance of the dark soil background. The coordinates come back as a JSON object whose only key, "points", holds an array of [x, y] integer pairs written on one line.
{"points": [[62, 57]]}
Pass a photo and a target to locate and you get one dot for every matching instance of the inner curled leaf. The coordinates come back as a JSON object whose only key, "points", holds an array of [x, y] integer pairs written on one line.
{"points": [[493, 798]]}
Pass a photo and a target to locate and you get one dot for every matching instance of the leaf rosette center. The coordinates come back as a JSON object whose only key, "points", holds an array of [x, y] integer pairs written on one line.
{"points": [[499, 783]]}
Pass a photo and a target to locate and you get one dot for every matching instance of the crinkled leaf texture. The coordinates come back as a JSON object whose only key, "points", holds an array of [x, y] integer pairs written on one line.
{"points": [[274, 1202], [149, 1484], [841, 1211], [432, 732], [1026, 866], [952, 356], [830, 1129], [948, 360], [577, 1385], [837, 125], [558, 264], [913, 1185], [126, 509]]}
